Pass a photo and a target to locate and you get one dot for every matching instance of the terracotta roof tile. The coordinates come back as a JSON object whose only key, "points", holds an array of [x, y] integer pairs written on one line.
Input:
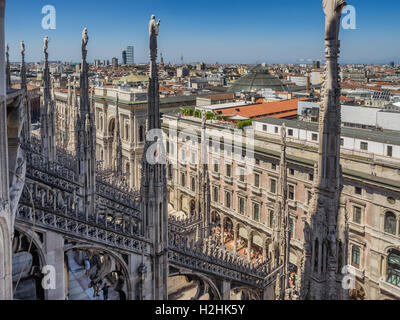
{"points": [[264, 109]]}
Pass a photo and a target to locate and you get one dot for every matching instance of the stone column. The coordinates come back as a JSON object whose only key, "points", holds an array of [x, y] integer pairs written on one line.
{"points": [[235, 234], [54, 257], [222, 230], [265, 250], [249, 244], [226, 290]]}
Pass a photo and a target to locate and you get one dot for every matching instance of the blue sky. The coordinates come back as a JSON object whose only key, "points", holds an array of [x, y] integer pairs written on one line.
{"points": [[234, 31]]}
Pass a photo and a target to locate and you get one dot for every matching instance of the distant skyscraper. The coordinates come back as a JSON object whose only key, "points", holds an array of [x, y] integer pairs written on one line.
{"points": [[115, 62], [130, 54], [124, 57]]}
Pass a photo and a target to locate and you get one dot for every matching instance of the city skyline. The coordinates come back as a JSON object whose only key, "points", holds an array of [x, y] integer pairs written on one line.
{"points": [[229, 33]]}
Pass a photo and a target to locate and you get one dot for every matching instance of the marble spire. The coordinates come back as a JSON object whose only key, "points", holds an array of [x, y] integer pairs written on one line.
{"points": [[85, 143], [27, 109], [203, 186], [326, 230], [47, 126], [154, 204]]}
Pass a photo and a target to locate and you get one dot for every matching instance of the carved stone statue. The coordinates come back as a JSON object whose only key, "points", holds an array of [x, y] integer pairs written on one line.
{"points": [[22, 48], [153, 33], [283, 132], [85, 40], [332, 241], [333, 11], [45, 44]]}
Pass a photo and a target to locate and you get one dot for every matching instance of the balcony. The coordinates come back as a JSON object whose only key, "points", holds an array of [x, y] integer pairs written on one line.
{"points": [[228, 180], [215, 175], [241, 185], [389, 288], [256, 190], [357, 228]]}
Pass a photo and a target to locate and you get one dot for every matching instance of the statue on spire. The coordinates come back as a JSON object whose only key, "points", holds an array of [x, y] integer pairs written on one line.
{"points": [[153, 33], [85, 40], [333, 12], [45, 45]]}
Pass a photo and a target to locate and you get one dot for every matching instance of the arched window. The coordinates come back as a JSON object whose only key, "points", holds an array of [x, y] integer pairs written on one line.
{"points": [[193, 184], [215, 194], [101, 124], [390, 223], [393, 268], [355, 256]]}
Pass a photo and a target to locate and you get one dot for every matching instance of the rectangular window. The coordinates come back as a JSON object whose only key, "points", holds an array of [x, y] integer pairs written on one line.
{"points": [[364, 146], [271, 218], [355, 256], [291, 172], [228, 170], [256, 180], [389, 152], [272, 186], [276, 130], [216, 193], [358, 190], [290, 132], [342, 142], [357, 215], [241, 205], [264, 127], [256, 212], [183, 179], [193, 158], [311, 177], [170, 171], [273, 166], [242, 176], [315, 137], [291, 192], [183, 154], [216, 166], [228, 199]]}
